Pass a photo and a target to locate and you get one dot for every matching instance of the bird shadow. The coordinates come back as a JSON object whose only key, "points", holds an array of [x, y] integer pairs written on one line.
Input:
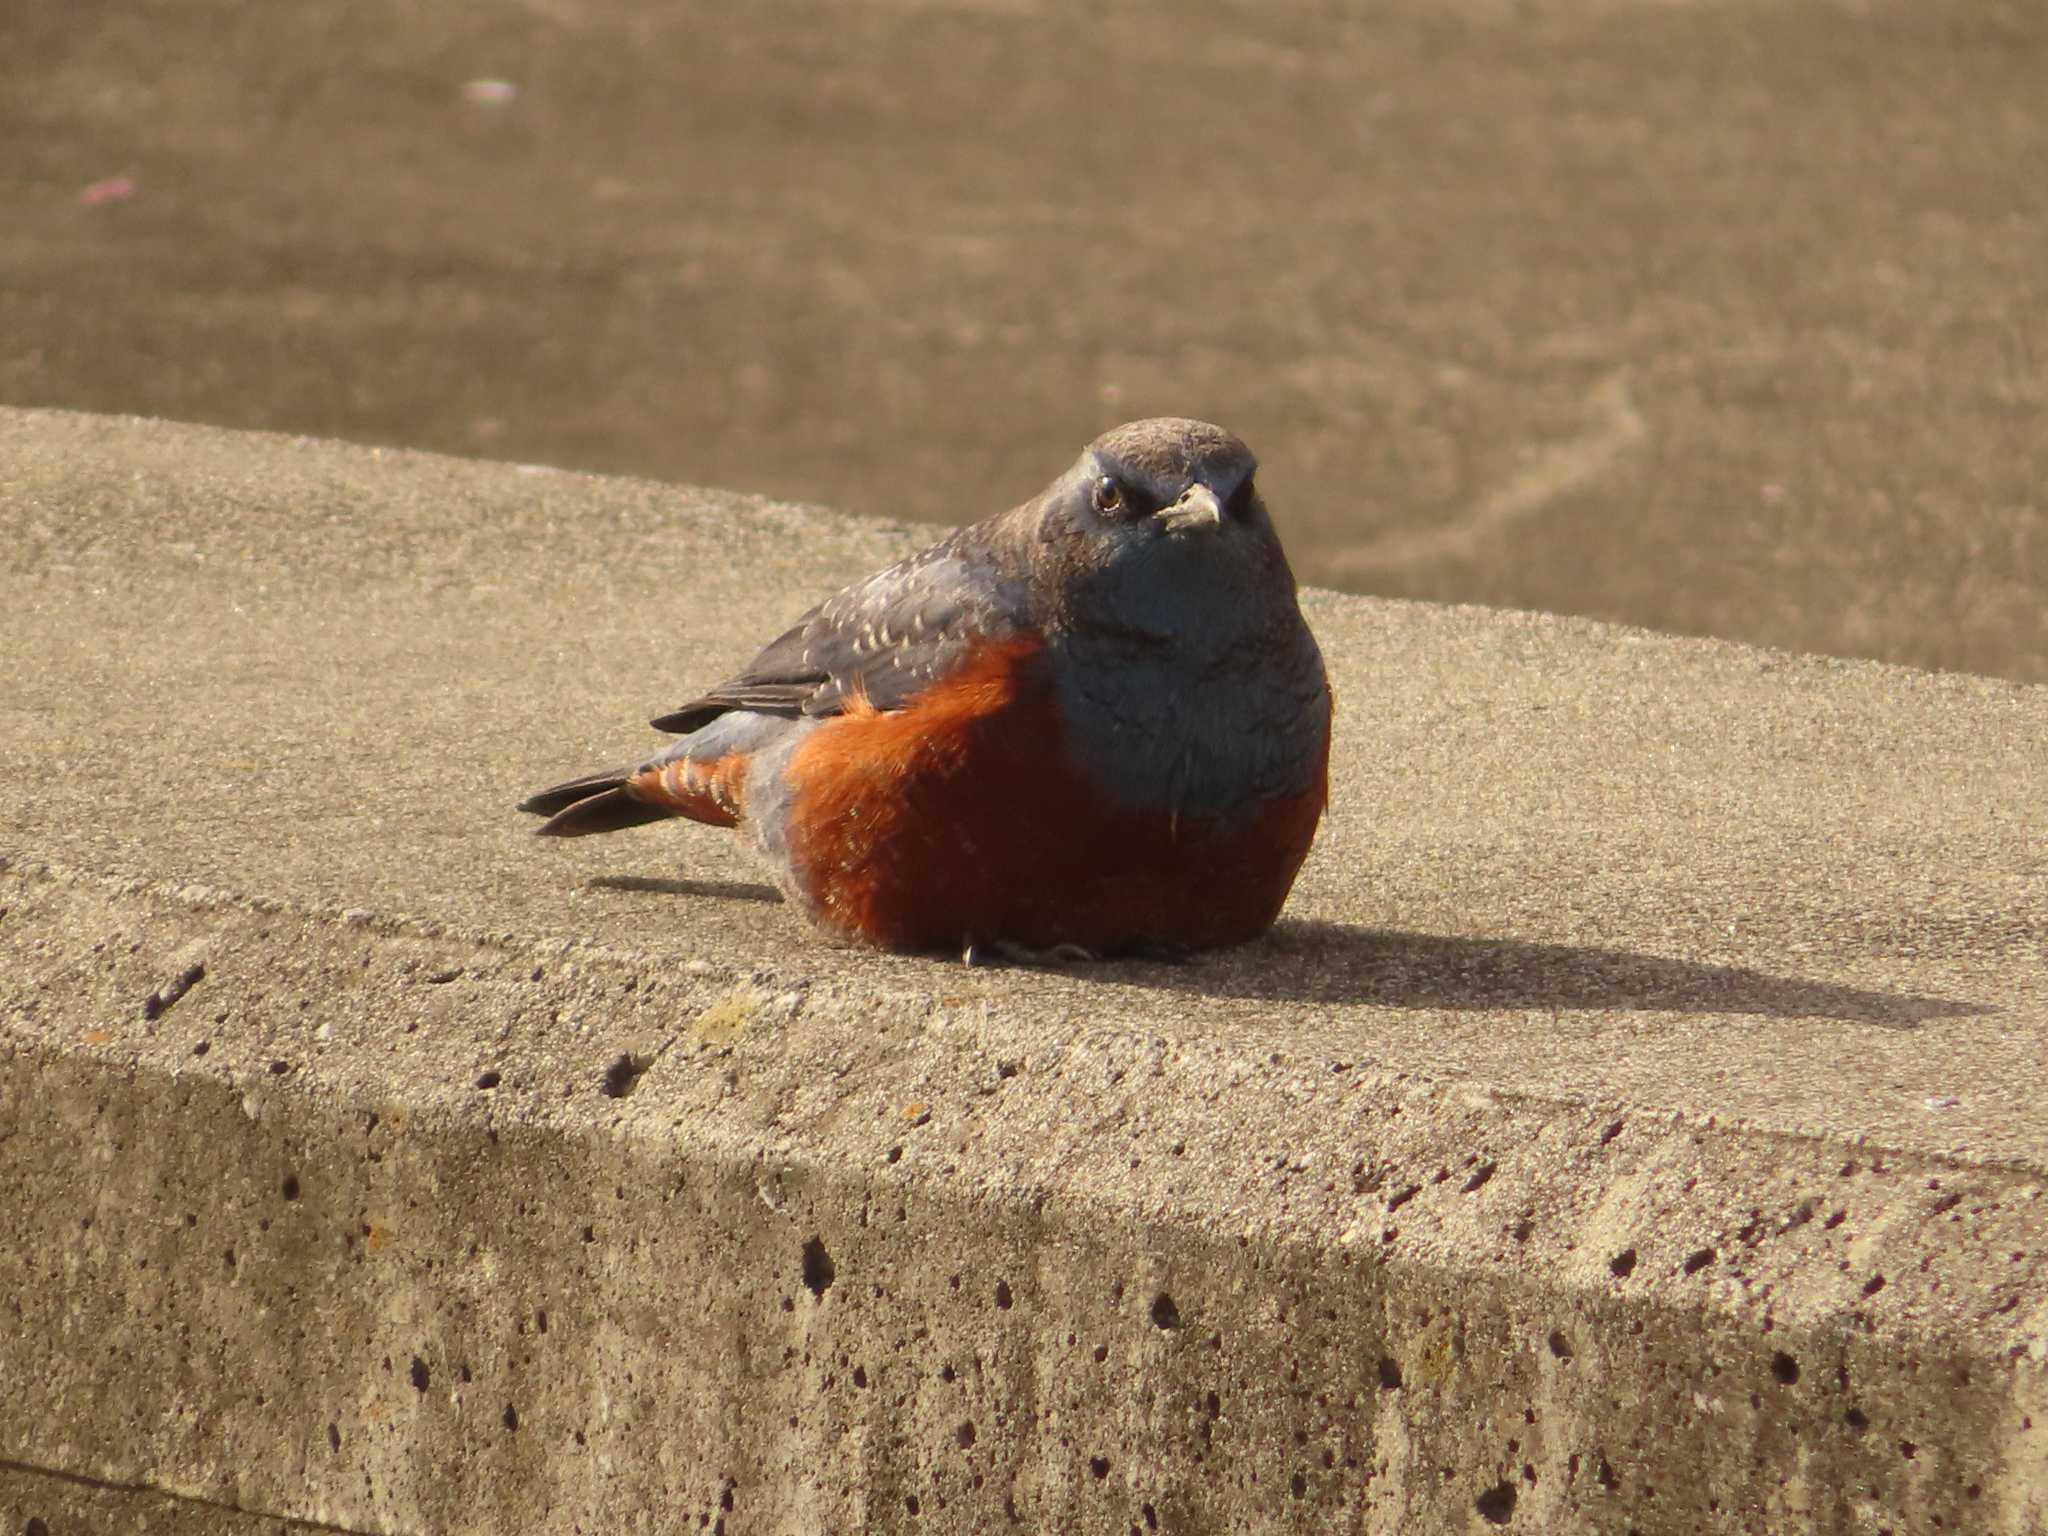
{"points": [[1321, 962], [717, 890], [1306, 960]]}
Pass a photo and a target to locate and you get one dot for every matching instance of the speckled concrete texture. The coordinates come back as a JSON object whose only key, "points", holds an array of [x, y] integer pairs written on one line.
{"points": [[36, 1503], [1633, 1125]]}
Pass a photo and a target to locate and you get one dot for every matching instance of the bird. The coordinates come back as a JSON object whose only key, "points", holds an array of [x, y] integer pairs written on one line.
{"points": [[1094, 725]]}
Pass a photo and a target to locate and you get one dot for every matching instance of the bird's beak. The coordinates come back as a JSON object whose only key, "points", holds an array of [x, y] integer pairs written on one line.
{"points": [[1197, 508]]}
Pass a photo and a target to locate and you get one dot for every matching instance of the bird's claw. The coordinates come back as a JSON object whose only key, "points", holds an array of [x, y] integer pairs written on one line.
{"points": [[998, 951]]}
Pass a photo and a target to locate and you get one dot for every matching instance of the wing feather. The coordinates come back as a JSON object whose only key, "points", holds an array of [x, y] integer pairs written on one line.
{"points": [[881, 640]]}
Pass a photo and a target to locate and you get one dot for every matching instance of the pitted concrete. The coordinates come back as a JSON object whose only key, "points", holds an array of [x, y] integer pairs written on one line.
{"points": [[1634, 1124]]}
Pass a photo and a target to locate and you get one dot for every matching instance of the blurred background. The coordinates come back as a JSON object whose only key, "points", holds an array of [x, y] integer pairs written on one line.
{"points": [[1722, 316]]}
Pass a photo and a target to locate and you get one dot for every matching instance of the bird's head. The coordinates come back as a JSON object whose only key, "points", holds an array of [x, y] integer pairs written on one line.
{"points": [[1158, 531]]}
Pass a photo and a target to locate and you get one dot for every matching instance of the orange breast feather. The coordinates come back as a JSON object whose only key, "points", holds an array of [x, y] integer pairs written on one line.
{"points": [[958, 819]]}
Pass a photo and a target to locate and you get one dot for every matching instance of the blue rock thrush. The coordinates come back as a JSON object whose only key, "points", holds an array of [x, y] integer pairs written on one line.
{"points": [[1096, 723]]}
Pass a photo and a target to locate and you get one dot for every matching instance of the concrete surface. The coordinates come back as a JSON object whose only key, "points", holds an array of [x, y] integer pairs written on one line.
{"points": [[35, 1503], [1726, 317], [1634, 1125]]}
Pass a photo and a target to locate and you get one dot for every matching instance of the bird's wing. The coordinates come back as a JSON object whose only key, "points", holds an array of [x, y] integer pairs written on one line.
{"points": [[881, 640]]}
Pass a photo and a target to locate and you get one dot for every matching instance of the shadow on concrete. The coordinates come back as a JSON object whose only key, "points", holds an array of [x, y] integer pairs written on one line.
{"points": [[1319, 962], [722, 890]]}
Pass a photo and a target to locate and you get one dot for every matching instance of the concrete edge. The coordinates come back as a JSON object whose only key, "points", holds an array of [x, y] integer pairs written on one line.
{"points": [[1620, 1320]]}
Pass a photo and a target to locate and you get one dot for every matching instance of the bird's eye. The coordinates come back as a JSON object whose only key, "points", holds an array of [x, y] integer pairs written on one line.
{"points": [[1109, 496]]}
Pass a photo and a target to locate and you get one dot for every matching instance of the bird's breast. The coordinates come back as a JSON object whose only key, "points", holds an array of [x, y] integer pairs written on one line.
{"points": [[1205, 735]]}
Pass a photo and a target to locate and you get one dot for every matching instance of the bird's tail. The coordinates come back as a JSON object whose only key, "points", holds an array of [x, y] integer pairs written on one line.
{"points": [[597, 802], [709, 789]]}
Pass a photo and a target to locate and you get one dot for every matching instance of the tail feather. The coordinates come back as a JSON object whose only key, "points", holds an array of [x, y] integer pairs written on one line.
{"points": [[559, 797], [597, 802], [703, 777], [612, 810]]}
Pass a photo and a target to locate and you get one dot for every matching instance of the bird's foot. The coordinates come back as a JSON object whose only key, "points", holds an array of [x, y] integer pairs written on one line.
{"points": [[1006, 951]]}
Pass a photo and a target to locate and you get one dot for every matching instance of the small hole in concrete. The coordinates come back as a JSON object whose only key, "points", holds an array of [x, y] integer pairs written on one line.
{"points": [[1700, 1260], [965, 1434], [1606, 1474], [419, 1374], [1164, 1313], [1623, 1264], [1908, 1449], [910, 1504], [1479, 1177], [279, 1068], [1496, 1506], [622, 1076], [201, 1047], [1560, 1346], [1151, 1516], [1298, 1485], [488, 1080], [895, 1154], [818, 1271], [947, 1373], [1213, 1406], [1003, 1296], [291, 1186], [1523, 1230], [860, 1377], [228, 1258], [1402, 1196], [1856, 1419], [1100, 1353], [1873, 1285], [1098, 1467], [511, 1419], [1834, 1221], [1611, 1132], [1390, 1373], [725, 1501], [35, 1527], [333, 1436], [1784, 1369]]}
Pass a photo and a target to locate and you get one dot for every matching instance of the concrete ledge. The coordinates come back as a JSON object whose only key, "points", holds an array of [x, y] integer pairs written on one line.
{"points": [[1636, 1123]]}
